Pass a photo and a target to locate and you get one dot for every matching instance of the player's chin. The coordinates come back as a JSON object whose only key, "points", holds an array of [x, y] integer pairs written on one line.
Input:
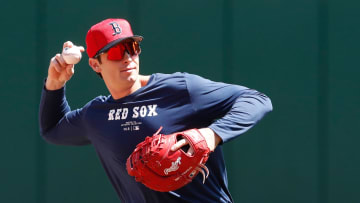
{"points": [[131, 76]]}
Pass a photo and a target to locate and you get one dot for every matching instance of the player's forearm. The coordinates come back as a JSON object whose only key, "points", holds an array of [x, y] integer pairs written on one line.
{"points": [[247, 110], [53, 106], [58, 124]]}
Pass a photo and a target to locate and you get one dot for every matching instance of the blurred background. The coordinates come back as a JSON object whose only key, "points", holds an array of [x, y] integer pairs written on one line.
{"points": [[304, 54]]}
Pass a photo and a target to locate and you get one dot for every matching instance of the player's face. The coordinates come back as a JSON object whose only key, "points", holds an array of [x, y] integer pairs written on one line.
{"points": [[119, 67], [120, 73]]}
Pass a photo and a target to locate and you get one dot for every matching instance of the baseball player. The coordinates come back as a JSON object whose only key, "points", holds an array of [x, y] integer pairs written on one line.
{"points": [[138, 105]]}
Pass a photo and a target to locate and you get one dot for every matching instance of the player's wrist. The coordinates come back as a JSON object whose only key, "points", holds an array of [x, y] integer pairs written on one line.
{"points": [[52, 84], [211, 138]]}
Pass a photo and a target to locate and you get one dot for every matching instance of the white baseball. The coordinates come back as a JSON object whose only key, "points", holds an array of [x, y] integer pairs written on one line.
{"points": [[71, 55]]}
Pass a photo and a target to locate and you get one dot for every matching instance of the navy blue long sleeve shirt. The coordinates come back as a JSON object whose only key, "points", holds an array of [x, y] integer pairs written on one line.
{"points": [[178, 102]]}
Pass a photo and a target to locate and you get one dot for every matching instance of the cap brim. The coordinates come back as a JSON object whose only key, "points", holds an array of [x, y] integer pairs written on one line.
{"points": [[137, 38]]}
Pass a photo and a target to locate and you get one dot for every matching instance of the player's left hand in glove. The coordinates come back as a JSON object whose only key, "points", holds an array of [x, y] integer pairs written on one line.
{"points": [[154, 164]]}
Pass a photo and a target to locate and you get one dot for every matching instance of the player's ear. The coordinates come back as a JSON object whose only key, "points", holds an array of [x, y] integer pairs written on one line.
{"points": [[94, 64]]}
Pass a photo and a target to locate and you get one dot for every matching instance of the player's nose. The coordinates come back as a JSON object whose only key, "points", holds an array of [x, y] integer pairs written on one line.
{"points": [[127, 58]]}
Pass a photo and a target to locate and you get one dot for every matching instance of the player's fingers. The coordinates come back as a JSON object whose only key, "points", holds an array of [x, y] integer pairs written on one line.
{"points": [[70, 70], [82, 49], [190, 151], [68, 44], [54, 63], [61, 60], [179, 144]]}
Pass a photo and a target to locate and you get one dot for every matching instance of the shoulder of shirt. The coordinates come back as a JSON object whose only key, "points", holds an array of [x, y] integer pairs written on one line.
{"points": [[172, 80], [159, 76], [96, 100], [170, 76]]}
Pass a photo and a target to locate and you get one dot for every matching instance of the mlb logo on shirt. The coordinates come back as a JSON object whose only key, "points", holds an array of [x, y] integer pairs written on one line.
{"points": [[136, 127]]}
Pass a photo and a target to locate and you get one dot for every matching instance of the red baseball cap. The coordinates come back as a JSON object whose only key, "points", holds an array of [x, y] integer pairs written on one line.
{"points": [[102, 36]]}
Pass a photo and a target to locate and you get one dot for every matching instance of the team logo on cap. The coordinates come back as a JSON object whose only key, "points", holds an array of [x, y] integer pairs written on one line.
{"points": [[116, 28]]}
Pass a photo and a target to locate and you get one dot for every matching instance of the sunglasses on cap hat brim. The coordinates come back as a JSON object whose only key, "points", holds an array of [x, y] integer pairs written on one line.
{"points": [[117, 50]]}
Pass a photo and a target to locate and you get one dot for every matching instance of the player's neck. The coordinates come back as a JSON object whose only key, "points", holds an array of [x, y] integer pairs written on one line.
{"points": [[125, 90]]}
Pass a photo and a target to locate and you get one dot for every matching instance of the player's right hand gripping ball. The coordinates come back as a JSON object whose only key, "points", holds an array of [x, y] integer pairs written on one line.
{"points": [[157, 167], [71, 55]]}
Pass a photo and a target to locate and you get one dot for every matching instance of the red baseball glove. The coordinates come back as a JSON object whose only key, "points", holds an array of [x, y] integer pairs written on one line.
{"points": [[157, 167]]}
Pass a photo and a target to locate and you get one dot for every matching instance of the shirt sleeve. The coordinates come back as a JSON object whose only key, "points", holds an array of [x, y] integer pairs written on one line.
{"points": [[58, 124], [234, 109]]}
